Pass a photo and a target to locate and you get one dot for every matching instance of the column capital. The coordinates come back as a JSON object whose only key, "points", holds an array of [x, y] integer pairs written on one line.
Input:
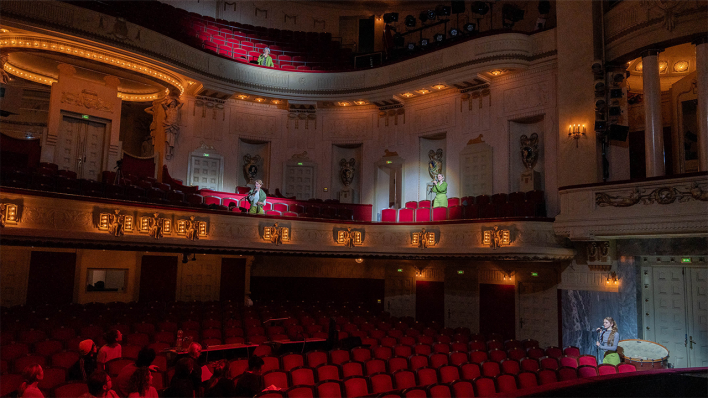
{"points": [[650, 52]]}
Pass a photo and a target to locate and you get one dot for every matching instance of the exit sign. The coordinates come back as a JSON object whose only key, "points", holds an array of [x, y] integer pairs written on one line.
{"points": [[299, 163], [460, 272], [400, 270], [389, 161], [686, 260], [84, 116], [534, 274]]}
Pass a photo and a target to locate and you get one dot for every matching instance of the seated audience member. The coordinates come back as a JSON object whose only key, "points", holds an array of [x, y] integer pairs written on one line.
{"points": [[33, 374], [145, 357], [219, 385], [82, 369], [141, 384], [181, 384], [111, 350], [251, 381], [99, 386]]}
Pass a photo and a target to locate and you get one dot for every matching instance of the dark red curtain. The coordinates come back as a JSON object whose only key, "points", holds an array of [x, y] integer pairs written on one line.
{"points": [[430, 301], [19, 153], [138, 167], [497, 309], [51, 278], [158, 278], [233, 279]]}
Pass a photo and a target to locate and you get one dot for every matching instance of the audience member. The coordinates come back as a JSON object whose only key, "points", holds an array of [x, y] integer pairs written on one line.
{"points": [[33, 374], [181, 384], [84, 367], [99, 386], [251, 382], [141, 384], [219, 385], [193, 353], [112, 349], [145, 357]]}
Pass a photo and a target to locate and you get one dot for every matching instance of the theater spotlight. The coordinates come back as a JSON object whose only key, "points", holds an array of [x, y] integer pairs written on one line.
{"points": [[390, 17], [410, 21], [480, 7], [469, 28], [431, 14], [442, 11], [423, 16], [398, 40], [410, 46], [511, 14], [439, 37], [424, 42], [454, 32]]}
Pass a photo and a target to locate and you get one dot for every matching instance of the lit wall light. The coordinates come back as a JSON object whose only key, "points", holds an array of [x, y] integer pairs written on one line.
{"points": [[243, 97], [260, 99], [344, 103], [663, 66], [359, 260], [639, 67], [439, 86], [360, 102], [612, 279], [407, 95], [276, 102], [424, 91], [496, 72], [681, 66], [575, 131]]}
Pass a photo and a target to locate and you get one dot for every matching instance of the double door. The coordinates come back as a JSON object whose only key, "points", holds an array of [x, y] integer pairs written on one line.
{"points": [[299, 182], [675, 312], [81, 147]]}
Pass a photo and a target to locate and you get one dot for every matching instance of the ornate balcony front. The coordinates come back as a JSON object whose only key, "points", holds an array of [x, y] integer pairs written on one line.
{"points": [[660, 206]]}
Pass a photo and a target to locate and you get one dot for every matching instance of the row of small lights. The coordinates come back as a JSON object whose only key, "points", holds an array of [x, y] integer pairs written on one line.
{"points": [[259, 99], [424, 91], [345, 103], [95, 56], [24, 74], [679, 66]]}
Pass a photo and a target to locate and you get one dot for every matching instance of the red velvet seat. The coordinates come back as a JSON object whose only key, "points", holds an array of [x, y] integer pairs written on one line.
{"points": [[22, 362], [352, 368], [510, 366], [554, 352], [470, 212], [455, 213], [458, 358], [418, 361], [53, 377], [449, 373], [438, 359], [426, 376], [404, 379], [527, 379], [606, 369], [422, 214], [569, 361], [547, 376], [549, 363], [440, 214], [375, 365], [328, 372], [396, 363], [571, 351], [406, 215], [535, 353], [411, 205], [478, 356], [497, 355], [381, 382], [64, 359], [356, 386], [339, 357], [587, 371], [485, 386], [330, 389], [424, 203], [490, 368], [47, 347], [302, 376], [588, 360], [567, 373], [10, 383], [388, 215], [422, 349], [70, 390]]}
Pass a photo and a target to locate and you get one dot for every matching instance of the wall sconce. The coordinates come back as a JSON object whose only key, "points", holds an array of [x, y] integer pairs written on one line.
{"points": [[612, 279], [575, 131]]}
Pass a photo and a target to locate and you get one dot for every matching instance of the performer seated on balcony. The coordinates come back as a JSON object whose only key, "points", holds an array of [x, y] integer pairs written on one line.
{"points": [[265, 58], [440, 191], [257, 199]]}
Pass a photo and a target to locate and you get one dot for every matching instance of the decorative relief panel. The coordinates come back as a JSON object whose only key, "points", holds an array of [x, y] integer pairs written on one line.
{"points": [[348, 128], [531, 96], [252, 124], [433, 117]]}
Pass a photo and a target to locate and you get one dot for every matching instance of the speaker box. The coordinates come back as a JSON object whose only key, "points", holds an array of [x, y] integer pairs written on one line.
{"points": [[458, 7], [618, 132]]}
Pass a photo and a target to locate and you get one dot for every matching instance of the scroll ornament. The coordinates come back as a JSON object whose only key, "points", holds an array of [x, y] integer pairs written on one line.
{"points": [[435, 165], [250, 167], [87, 99], [346, 171], [423, 239], [529, 150], [663, 196]]}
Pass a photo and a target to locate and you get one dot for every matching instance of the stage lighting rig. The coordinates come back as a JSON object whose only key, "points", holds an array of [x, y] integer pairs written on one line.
{"points": [[423, 16], [424, 43], [390, 17], [410, 21], [454, 32], [469, 28], [511, 14], [410, 47], [480, 7], [442, 11], [439, 38]]}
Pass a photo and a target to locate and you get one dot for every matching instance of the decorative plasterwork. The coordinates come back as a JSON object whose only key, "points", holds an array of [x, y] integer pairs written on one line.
{"points": [[276, 234], [63, 220], [668, 207], [8, 214]]}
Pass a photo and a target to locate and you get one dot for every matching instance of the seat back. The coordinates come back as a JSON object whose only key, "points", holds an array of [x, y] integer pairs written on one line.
{"points": [[449, 373], [426, 376], [381, 382], [404, 379], [302, 376], [356, 386], [485, 386], [329, 388], [388, 215], [506, 383], [567, 373]]}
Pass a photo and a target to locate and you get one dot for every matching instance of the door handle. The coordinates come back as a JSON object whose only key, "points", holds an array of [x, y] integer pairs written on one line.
{"points": [[690, 340]]}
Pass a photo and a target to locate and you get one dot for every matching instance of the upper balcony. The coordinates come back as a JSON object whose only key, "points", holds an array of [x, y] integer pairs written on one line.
{"points": [[659, 206], [61, 25]]}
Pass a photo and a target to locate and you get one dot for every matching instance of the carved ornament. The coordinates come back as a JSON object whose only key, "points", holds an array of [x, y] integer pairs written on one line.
{"points": [[276, 234], [87, 99], [435, 165], [250, 167], [349, 238], [346, 171], [155, 226], [496, 237], [8, 214], [191, 228], [529, 150], [663, 196], [423, 239], [115, 223]]}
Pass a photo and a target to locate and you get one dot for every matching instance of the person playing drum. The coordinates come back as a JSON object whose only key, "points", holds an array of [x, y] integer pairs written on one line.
{"points": [[607, 341]]}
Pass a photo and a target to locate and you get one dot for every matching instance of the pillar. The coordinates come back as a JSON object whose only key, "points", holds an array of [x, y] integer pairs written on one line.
{"points": [[702, 115], [653, 128]]}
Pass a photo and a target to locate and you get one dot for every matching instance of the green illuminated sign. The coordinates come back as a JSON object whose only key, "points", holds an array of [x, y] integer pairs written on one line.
{"points": [[206, 155], [534, 274], [686, 260], [389, 161], [400, 270], [460, 272], [299, 163], [84, 116]]}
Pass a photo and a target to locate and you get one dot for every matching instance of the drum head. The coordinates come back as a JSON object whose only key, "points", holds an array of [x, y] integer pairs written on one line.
{"points": [[642, 350]]}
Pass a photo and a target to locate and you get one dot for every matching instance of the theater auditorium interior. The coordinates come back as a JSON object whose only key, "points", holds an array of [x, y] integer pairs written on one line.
{"points": [[572, 137]]}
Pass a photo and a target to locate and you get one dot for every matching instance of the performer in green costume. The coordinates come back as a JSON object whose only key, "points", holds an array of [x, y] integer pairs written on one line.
{"points": [[607, 341], [257, 198], [440, 191], [265, 58]]}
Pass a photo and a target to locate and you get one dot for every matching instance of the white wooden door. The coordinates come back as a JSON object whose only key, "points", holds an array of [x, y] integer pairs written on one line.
{"points": [[670, 313], [538, 314], [698, 319], [476, 170], [300, 182], [206, 172], [80, 147]]}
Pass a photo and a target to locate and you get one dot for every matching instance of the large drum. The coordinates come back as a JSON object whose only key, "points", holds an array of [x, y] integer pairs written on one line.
{"points": [[645, 355]]}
